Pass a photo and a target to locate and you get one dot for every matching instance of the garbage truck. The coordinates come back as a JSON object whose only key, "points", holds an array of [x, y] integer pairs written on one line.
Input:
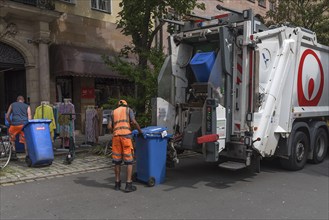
{"points": [[237, 92]]}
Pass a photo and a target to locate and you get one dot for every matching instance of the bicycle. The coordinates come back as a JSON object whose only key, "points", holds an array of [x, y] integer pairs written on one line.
{"points": [[5, 147]]}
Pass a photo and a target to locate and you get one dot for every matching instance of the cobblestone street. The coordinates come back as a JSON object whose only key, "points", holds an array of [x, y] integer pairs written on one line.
{"points": [[18, 172]]}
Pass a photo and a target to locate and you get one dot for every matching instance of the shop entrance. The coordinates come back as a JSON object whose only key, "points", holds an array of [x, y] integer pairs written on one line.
{"points": [[12, 77]]}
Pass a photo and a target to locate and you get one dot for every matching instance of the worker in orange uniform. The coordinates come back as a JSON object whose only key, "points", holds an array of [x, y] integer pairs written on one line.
{"points": [[122, 147], [21, 114]]}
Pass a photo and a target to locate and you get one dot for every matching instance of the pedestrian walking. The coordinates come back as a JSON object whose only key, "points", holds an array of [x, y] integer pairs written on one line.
{"points": [[122, 147], [21, 113]]}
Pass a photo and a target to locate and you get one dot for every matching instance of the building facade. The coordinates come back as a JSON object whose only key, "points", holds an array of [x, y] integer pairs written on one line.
{"points": [[260, 7], [52, 49]]}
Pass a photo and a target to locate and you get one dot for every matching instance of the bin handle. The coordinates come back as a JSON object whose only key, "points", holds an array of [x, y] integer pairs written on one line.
{"points": [[163, 134]]}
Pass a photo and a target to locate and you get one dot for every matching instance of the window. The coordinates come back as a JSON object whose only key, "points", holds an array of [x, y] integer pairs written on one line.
{"points": [[69, 1], [272, 5], [262, 3], [102, 5]]}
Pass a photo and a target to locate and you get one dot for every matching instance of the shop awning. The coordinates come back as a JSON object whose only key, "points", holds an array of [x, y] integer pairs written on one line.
{"points": [[68, 60]]}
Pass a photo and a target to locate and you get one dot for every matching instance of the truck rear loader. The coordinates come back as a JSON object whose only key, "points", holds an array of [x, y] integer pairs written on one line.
{"points": [[237, 91]]}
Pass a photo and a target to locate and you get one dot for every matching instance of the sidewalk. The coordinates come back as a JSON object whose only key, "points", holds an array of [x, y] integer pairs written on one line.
{"points": [[18, 172]]}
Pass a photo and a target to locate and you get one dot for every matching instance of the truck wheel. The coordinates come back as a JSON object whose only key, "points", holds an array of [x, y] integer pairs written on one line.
{"points": [[320, 146], [299, 150]]}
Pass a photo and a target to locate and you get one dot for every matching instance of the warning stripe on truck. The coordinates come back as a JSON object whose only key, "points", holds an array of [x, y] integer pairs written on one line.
{"points": [[239, 68]]}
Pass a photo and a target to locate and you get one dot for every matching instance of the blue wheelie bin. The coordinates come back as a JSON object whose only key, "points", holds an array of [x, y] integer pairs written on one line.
{"points": [[151, 154], [20, 148], [39, 144]]}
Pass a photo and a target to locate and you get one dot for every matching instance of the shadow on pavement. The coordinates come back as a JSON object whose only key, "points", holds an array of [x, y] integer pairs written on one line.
{"points": [[194, 170], [92, 183]]}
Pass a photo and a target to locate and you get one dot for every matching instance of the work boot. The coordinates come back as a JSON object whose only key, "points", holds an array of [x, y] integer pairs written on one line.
{"points": [[13, 156], [117, 185], [130, 187]]}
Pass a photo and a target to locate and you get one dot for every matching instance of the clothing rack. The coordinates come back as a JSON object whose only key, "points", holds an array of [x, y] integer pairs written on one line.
{"points": [[91, 106]]}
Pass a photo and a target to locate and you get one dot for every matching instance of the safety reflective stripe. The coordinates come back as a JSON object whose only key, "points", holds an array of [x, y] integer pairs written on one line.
{"points": [[121, 121], [116, 122], [115, 154], [127, 155], [122, 127]]}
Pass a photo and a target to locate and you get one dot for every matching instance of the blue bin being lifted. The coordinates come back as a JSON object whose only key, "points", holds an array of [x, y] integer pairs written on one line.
{"points": [[202, 64], [151, 155], [39, 144]]}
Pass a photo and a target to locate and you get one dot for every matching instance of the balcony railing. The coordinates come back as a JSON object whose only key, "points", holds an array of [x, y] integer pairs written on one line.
{"points": [[45, 4]]}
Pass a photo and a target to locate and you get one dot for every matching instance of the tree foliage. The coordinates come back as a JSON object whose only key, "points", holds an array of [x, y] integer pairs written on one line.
{"points": [[142, 20], [138, 20], [145, 78], [310, 14]]}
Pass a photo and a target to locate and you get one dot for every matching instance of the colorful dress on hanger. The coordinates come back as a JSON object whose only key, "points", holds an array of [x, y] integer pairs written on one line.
{"points": [[46, 112], [64, 122]]}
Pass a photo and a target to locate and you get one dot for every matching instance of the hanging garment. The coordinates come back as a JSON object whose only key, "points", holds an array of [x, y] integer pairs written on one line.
{"points": [[91, 131], [46, 112], [65, 123], [99, 131], [55, 112]]}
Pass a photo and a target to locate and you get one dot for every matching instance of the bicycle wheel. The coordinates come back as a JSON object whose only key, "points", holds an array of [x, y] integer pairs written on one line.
{"points": [[5, 153]]}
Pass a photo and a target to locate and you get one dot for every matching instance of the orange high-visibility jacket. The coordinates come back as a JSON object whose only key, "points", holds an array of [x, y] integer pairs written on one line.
{"points": [[121, 121]]}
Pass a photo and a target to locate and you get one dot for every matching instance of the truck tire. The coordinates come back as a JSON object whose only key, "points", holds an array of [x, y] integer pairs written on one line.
{"points": [[320, 146], [299, 150]]}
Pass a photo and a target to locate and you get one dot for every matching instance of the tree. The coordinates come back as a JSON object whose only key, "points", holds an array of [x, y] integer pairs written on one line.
{"points": [[310, 14], [142, 20], [138, 20]]}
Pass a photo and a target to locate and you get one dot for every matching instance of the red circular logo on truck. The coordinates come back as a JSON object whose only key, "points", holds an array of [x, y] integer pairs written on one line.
{"points": [[309, 99]]}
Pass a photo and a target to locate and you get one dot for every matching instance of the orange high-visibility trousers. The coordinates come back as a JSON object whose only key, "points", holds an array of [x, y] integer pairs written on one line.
{"points": [[15, 130], [122, 149]]}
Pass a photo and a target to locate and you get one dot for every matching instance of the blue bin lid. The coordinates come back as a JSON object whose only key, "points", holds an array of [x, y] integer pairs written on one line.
{"points": [[153, 132], [39, 121], [202, 57]]}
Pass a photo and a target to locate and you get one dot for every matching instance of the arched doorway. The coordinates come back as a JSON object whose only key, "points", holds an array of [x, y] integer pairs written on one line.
{"points": [[12, 77]]}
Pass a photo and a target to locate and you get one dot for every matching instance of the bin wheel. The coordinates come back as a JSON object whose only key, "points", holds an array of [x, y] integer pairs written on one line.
{"points": [[68, 160], [28, 161], [151, 182], [50, 163], [134, 177]]}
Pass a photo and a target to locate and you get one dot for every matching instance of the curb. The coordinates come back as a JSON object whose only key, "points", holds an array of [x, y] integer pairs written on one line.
{"points": [[58, 153], [10, 182], [50, 176]]}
